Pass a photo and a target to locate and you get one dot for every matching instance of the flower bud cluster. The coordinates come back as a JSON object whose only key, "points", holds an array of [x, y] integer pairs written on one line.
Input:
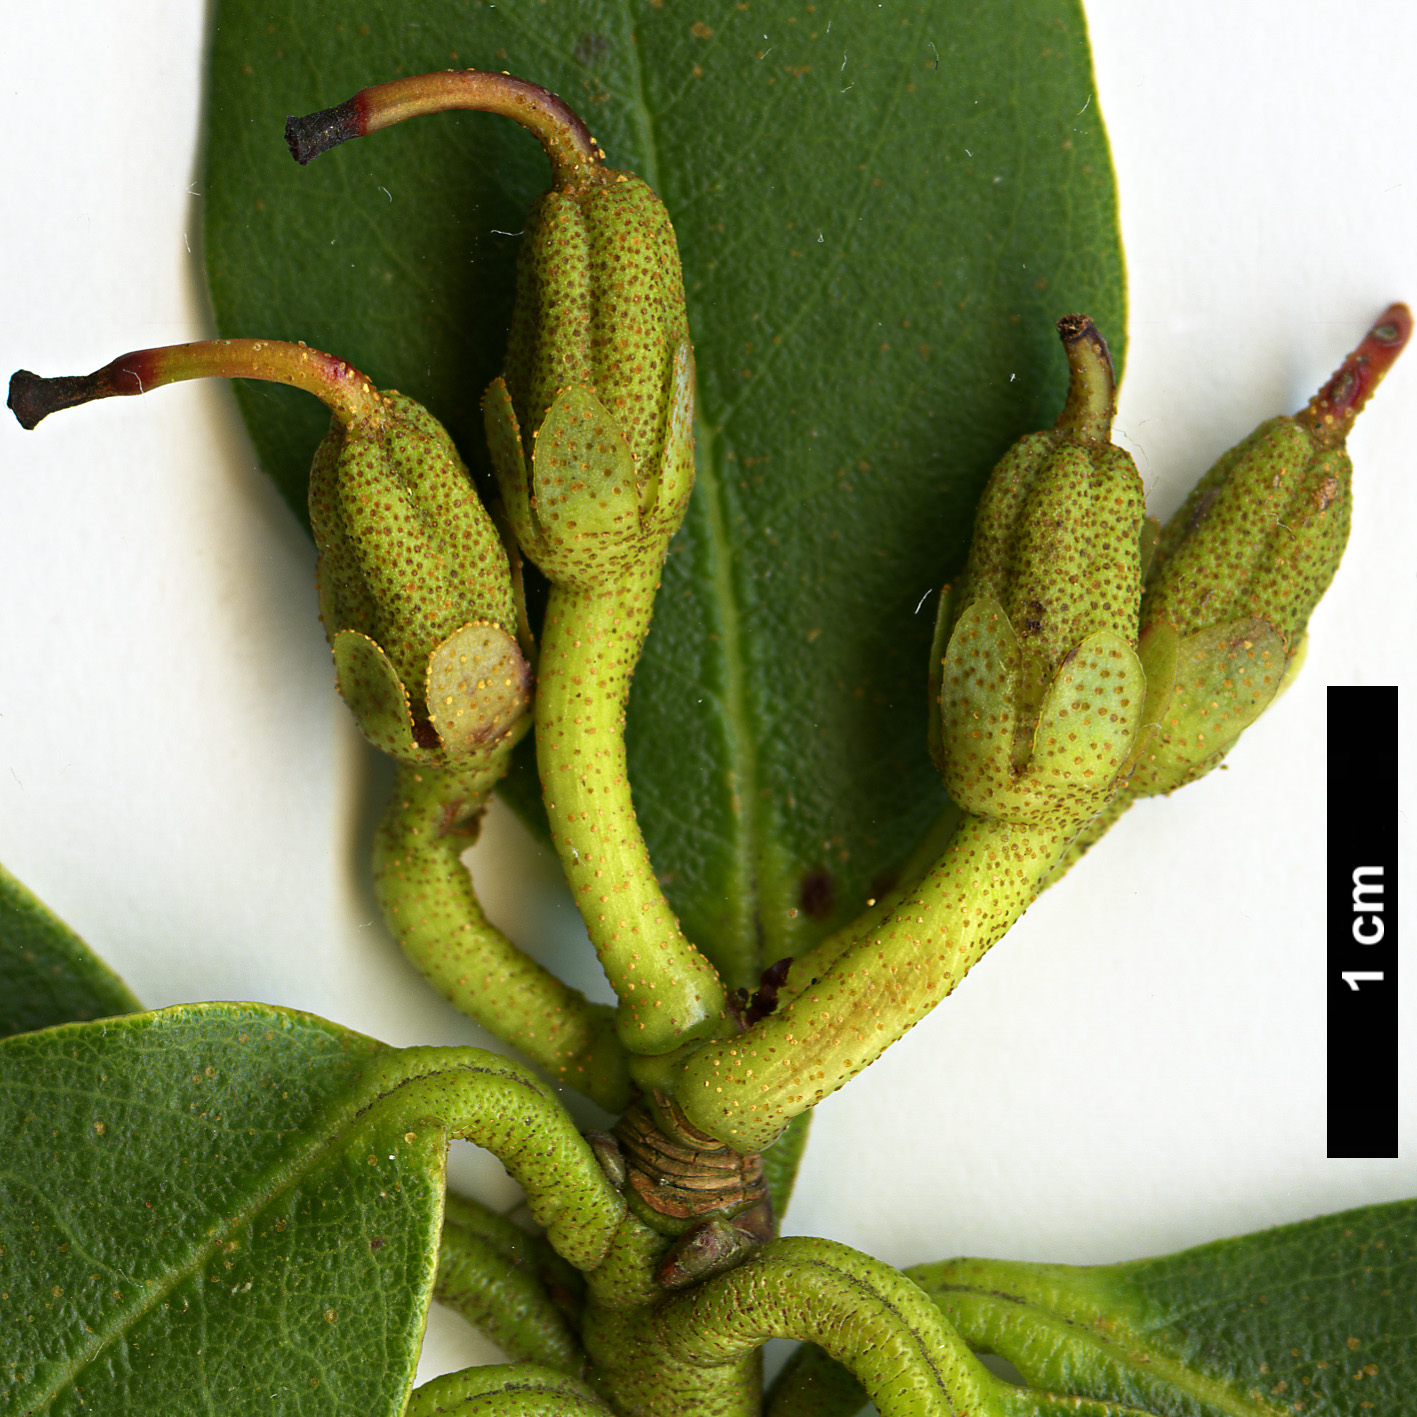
{"points": [[1061, 682]]}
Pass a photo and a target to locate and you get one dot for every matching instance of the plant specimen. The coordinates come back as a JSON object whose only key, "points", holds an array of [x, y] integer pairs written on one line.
{"points": [[714, 1244]]}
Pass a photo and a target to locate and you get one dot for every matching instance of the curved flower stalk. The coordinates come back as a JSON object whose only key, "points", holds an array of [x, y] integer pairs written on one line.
{"points": [[1040, 697], [811, 1384], [416, 599], [590, 431], [504, 1107], [699, 1353], [427, 897], [506, 1390], [496, 1277]]}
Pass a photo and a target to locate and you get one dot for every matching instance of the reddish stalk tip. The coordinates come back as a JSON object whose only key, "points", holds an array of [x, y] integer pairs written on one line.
{"points": [[1332, 411], [317, 133], [567, 142], [344, 390], [32, 398]]}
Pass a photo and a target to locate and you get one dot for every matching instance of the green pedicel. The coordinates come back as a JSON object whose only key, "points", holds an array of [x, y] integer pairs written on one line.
{"points": [[745, 1090], [698, 1353], [506, 1390], [427, 897], [503, 1298], [417, 602]]}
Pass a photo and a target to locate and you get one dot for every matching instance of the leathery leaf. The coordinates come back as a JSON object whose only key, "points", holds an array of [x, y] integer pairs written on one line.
{"points": [[1313, 1318], [196, 1204], [48, 975]]}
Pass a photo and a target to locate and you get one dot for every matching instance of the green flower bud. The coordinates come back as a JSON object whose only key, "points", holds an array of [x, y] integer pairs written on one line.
{"points": [[597, 399], [415, 590], [1241, 566], [1039, 687]]}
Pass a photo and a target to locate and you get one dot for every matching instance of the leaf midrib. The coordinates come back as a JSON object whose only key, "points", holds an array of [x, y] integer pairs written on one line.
{"points": [[1215, 1393], [733, 701]]}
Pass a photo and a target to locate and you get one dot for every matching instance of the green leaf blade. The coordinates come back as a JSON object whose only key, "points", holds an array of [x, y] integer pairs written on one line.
{"points": [[192, 1221], [48, 975], [854, 389], [1314, 1318]]}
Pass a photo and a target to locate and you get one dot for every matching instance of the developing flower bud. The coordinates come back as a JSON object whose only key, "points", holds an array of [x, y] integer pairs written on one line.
{"points": [[1241, 566], [1039, 687], [591, 428], [415, 590]]}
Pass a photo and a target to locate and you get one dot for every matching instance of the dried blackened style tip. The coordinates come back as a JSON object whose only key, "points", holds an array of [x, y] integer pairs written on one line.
{"points": [[347, 393], [317, 133], [1332, 411], [573, 152], [33, 398], [1092, 386]]}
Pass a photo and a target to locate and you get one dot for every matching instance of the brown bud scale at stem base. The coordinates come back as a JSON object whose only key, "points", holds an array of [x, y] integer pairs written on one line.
{"points": [[689, 1174]]}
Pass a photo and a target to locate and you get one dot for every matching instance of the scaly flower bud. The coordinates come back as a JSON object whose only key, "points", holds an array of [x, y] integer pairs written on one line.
{"points": [[1241, 565], [415, 589], [1039, 687], [598, 395]]}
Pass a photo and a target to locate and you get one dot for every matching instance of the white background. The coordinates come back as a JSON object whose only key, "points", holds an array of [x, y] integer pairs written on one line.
{"points": [[1140, 1065]]}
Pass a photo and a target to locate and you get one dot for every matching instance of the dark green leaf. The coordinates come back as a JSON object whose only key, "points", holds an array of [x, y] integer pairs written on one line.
{"points": [[881, 211], [1315, 1318], [193, 1218], [48, 975]]}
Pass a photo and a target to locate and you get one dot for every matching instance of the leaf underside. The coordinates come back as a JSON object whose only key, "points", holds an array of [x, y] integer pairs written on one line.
{"points": [[1314, 1318], [193, 1219], [881, 209]]}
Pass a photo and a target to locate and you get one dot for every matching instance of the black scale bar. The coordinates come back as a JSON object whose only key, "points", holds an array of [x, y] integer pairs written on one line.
{"points": [[1362, 921]]}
